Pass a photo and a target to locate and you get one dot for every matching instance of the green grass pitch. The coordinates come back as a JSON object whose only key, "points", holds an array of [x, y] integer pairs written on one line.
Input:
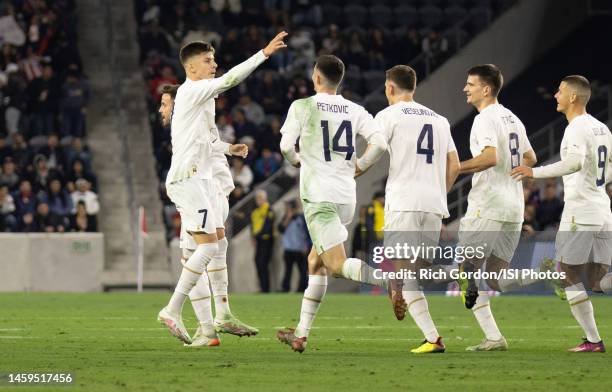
{"points": [[113, 342]]}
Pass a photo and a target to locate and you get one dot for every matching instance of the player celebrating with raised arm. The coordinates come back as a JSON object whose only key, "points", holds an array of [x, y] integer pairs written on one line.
{"points": [[326, 125], [423, 158], [586, 221], [493, 221], [216, 271], [189, 181]]}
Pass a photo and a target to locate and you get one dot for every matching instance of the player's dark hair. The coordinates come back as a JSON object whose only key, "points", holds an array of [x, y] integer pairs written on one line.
{"points": [[170, 89], [331, 67], [490, 75], [581, 85], [403, 76], [193, 49]]}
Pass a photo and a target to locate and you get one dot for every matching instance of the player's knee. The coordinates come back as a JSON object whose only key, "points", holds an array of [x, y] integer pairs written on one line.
{"points": [[573, 274], [203, 254], [493, 284]]}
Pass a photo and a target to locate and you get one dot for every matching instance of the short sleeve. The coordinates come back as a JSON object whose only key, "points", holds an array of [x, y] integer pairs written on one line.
{"points": [[524, 144], [483, 130], [451, 143], [366, 125], [381, 123], [292, 125]]}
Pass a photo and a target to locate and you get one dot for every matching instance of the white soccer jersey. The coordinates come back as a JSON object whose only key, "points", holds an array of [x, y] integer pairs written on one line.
{"points": [[327, 126], [419, 140], [495, 194], [192, 127], [586, 200]]}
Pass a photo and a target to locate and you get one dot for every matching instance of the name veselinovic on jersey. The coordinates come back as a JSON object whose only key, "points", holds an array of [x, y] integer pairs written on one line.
{"points": [[327, 126]]}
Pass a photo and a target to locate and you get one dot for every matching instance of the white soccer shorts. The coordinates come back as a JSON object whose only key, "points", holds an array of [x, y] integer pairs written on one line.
{"points": [[414, 228], [578, 244], [497, 238], [326, 223], [194, 200]]}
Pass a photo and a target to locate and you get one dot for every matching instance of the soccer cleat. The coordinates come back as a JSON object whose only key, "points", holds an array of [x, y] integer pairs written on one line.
{"points": [[430, 348], [549, 264], [399, 304], [174, 322], [287, 336], [233, 326], [201, 339], [469, 290], [490, 345], [588, 347]]}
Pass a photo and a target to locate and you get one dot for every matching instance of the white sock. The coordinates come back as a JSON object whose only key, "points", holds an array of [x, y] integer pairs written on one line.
{"points": [[200, 300], [217, 273], [359, 271], [482, 312], [192, 271], [419, 310], [506, 284], [582, 309], [606, 283], [313, 295]]}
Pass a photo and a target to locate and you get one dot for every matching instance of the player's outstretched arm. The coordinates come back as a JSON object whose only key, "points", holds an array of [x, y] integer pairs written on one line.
{"points": [[452, 169], [486, 159], [571, 164], [237, 74]]}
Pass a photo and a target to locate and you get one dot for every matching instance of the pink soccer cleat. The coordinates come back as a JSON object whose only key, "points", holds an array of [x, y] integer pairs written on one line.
{"points": [[588, 347]]}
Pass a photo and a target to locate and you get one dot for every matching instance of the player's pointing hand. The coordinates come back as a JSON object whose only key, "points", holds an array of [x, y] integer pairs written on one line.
{"points": [[276, 44], [239, 150], [520, 172]]}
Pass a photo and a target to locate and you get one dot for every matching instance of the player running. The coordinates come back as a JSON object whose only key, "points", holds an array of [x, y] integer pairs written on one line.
{"points": [[216, 271], [493, 221], [189, 182], [423, 158], [584, 233], [326, 125]]}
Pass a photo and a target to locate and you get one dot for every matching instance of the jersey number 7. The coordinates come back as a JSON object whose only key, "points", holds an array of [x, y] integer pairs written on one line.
{"points": [[348, 149]]}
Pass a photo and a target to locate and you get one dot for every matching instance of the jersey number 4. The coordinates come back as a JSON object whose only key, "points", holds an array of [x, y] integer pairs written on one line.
{"points": [[602, 158], [428, 151], [348, 149]]}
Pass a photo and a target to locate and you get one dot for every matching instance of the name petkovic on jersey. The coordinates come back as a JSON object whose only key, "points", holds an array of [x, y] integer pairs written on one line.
{"points": [[455, 274]]}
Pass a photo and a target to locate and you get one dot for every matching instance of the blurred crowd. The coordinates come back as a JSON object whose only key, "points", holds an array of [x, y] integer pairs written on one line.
{"points": [[46, 178]]}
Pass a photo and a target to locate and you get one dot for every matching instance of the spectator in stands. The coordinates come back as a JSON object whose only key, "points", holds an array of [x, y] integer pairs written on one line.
{"points": [[15, 98], [81, 221], [43, 102], [253, 41], [375, 218], [22, 153], [271, 136], [296, 245], [46, 220], [153, 39], [332, 43], [241, 174], [78, 171], [532, 191], [379, 50], [208, 17], [202, 33], [226, 130], [177, 23], [25, 200], [59, 199], [30, 65], [5, 150], [73, 104], [269, 91], [232, 49], [236, 195], [54, 153], [298, 89], [77, 150], [435, 46], [267, 164], [242, 126], [356, 53], [262, 231], [302, 48], [359, 243], [530, 224], [83, 193], [550, 208], [25, 223], [8, 176], [252, 110], [166, 76], [43, 174], [8, 222]]}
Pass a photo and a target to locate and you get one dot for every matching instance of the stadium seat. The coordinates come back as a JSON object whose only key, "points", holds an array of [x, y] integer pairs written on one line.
{"points": [[380, 15], [355, 15], [430, 16], [373, 80], [405, 16], [454, 14]]}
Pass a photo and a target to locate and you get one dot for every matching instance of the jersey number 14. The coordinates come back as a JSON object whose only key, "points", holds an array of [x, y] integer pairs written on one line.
{"points": [[346, 128]]}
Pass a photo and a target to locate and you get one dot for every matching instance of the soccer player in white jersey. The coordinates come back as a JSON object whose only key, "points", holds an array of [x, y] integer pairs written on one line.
{"points": [[189, 182], [327, 125], [586, 223], [493, 221], [216, 271], [423, 158]]}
